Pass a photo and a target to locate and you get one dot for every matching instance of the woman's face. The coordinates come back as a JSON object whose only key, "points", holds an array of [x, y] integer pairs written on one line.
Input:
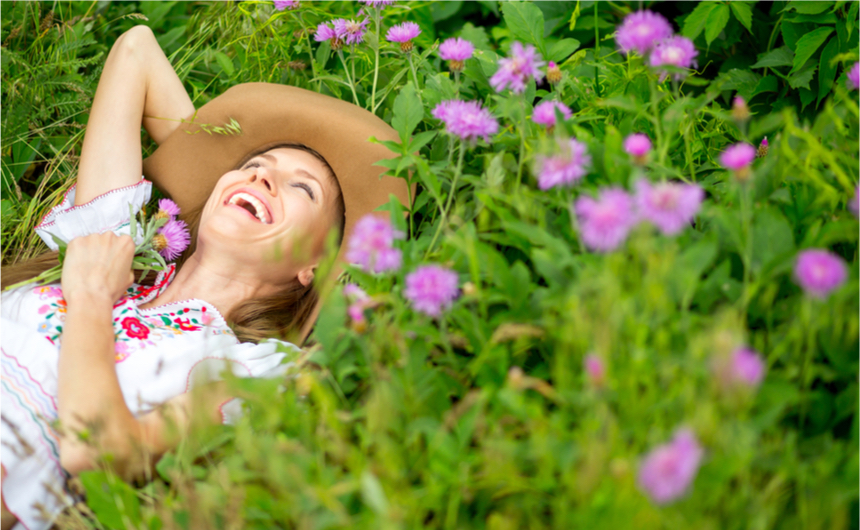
{"points": [[272, 214]]}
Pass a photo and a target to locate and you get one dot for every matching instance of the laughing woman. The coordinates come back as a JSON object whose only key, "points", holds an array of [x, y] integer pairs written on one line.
{"points": [[97, 351]]}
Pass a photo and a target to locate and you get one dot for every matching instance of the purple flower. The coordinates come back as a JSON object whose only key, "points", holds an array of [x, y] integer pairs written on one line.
{"points": [[466, 119], [819, 272], [565, 168], [404, 33], [171, 239], [854, 205], [456, 49], [431, 289], [168, 207], [325, 32], [640, 31], [637, 145], [595, 369], [371, 245], [544, 113], [674, 51], [761, 152], [738, 157], [377, 3], [605, 222], [350, 31], [747, 367], [515, 71], [359, 299], [280, 5], [669, 205], [740, 110], [854, 77], [553, 73], [668, 470]]}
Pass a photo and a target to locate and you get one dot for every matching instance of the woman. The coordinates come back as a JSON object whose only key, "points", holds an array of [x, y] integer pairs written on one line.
{"points": [[98, 352]]}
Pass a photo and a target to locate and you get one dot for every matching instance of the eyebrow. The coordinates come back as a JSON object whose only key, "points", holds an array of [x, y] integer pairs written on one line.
{"points": [[300, 171]]}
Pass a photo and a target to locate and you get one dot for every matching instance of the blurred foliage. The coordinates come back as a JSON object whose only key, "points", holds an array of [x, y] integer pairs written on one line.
{"points": [[483, 418]]}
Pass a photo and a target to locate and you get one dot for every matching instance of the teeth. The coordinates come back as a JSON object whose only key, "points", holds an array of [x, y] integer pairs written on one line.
{"points": [[259, 207]]}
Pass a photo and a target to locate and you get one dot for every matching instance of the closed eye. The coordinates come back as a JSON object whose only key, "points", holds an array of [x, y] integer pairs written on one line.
{"points": [[299, 185]]}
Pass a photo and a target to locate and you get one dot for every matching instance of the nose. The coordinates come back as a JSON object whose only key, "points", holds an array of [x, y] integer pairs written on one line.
{"points": [[265, 178]]}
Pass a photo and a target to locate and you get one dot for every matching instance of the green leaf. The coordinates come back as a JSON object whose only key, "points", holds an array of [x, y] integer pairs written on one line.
{"points": [[408, 112], [112, 500], [782, 56], [772, 237], [574, 16], [768, 83], [808, 44], [802, 78], [225, 62], [717, 20], [809, 8], [525, 21], [743, 81], [742, 12], [695, 22], [420, 140], [562, 49], [372, 493], [826, 68]]}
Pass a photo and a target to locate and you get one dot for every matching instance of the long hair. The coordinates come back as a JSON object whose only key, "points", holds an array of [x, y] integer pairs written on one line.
{"points": [[281, 315]]}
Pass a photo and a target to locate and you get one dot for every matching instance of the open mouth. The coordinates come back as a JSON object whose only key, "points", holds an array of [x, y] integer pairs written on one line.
{"points": [[252, 204]]}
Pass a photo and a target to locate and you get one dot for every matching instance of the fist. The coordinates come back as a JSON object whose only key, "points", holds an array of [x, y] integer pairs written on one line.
{"points": [[98, 266]]}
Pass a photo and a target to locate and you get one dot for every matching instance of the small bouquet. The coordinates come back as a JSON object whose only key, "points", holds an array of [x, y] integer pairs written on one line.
{"points": [[159, 238]]}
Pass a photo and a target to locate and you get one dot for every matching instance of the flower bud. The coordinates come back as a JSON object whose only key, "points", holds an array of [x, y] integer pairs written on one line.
{"points": [[553, 73], [740, 111], [456, 66], [469, 289], [761, 152]]}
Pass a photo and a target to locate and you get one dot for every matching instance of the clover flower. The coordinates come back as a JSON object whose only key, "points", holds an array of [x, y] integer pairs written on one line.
{"points": [[466, 120], [456, 51], [638, 146], [738, 157], [325, 32], [595, 370], [431, 288], [670, 206], [674, 51], [761, 152], [404, 33], [604, 223], [350, 31], [854, 77], [544, 113], [553, 73], [747, 367], [280, 5], [565, 168], [515, 71], [819, 272], [667, 471], [372, 245], [641, 30], [171, 239]]}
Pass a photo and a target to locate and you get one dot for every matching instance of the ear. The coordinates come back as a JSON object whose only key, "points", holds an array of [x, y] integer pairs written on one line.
{"points": [[306, 275]]}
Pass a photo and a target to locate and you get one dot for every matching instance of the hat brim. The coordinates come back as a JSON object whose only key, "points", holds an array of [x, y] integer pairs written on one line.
{"points": [[187, 165]]}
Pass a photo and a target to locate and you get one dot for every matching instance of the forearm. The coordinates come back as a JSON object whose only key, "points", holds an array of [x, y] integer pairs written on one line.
{"points": [[89, 396]]}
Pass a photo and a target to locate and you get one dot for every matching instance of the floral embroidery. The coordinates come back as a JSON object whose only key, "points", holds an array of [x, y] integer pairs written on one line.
{"points": [[134, 328], [185, 324], [44, 327]]}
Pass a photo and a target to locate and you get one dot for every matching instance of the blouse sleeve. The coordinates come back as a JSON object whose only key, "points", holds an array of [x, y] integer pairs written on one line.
{"points": [[109, 211], [268, 359]]}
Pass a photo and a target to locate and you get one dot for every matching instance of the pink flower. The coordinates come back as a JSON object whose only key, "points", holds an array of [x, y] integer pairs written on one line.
{"points": [[371, 245], [604, 223], [667, 471], [747, 367], [671, 206], [466, 120], [565, 168], [377, 3], [359, 301], [544, 113], [854, 77], [595, 369], [854, 205], [350, 31], [515, 71], [738, 157], [280, 5], [638, 146], [325, 32], [169, 207], [819, 272], [171, 239], [674, 51], [403, 32], [641, 30], [431, 288], [456, 49]]}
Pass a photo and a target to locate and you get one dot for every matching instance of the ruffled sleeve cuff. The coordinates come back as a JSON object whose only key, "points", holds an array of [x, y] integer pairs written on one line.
{"points": [[107, 212]]}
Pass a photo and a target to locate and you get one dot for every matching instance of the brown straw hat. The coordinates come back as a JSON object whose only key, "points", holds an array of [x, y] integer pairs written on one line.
{"points": [[186, 166]]}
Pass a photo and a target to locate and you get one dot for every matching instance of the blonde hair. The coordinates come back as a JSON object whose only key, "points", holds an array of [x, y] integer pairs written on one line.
{"points": [[281, 315]]}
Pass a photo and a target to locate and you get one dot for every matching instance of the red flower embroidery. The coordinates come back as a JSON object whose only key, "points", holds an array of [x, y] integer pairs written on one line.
{"points": [[185, 324], [134, 328]]}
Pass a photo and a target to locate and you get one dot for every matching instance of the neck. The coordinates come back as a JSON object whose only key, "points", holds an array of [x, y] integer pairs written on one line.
{"points": [[222, 287]]}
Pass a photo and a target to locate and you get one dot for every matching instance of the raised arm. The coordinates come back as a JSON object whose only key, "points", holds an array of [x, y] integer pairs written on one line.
{"points": [[138, 85]]}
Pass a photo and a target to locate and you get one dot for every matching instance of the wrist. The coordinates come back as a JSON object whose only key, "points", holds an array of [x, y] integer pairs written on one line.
{"points": [[88, 298]]}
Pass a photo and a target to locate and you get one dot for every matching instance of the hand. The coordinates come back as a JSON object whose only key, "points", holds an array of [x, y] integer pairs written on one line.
{"points": [[98, 266]]}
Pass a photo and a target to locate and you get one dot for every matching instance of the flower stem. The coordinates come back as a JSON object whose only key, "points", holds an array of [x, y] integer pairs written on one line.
{"points": [[522, 142], [596, 53], [414, 73], [746, 220], [444, 220], [310, 48], [376, 18], [348, 78]]}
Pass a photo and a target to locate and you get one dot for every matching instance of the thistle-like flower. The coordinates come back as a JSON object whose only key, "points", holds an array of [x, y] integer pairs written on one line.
{"points": [[171, 239]]}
